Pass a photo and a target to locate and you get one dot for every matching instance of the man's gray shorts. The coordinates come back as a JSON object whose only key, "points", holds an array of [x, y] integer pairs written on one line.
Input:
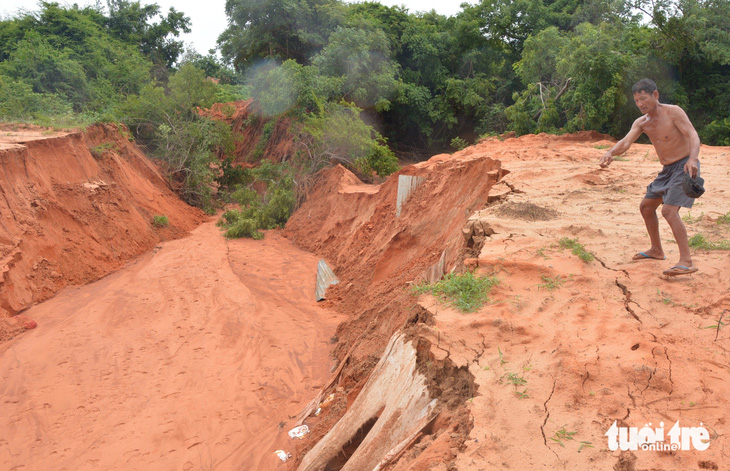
{"points": [[668, 185]]}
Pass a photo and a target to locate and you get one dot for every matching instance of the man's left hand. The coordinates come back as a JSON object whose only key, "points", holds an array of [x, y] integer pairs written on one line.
{"points": [[691, 167]]}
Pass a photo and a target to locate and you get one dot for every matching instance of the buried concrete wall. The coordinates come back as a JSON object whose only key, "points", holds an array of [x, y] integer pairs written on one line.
{"points": [[395, 404]]}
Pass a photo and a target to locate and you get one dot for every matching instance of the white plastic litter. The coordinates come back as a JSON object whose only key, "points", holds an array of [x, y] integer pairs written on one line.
{"points": [[283, 456], [299, 432]]}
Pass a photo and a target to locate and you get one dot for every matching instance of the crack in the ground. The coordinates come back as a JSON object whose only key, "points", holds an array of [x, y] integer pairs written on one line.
{"points": [[719, 323], [547, 412], [633, 399], [648, 381], [484, 346], [477, 353], [448, 353], [627, 301], [512, 187], [671, 381], [609, 268], [438, 345]]}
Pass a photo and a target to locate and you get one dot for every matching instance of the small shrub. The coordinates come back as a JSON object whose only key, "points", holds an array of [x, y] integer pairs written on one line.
{"points": [[266, 132], [98, 151], [458, 143], [577, 248], [466, 291], [379, 159], [160, 221], [266, 210], [724, 219], [231, 175], [244, 223]]}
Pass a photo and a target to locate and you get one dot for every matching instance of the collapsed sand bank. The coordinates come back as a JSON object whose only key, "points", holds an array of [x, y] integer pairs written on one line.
{"points": [[566, 347], [75, 206]]}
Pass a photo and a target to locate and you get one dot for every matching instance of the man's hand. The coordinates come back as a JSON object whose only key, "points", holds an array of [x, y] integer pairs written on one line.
{"points": [[691, 167], [606, 160]]}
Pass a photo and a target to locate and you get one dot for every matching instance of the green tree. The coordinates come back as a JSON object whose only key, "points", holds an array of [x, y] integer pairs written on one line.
{"points": [[18, 101], [362, 58], [168, 122], [335, 133], [48, 70], [132, 23], [291, 88], [277, 29]]}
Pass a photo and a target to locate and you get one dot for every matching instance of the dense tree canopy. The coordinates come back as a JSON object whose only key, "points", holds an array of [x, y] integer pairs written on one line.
{"points": [[522, 65], [421, 79]]}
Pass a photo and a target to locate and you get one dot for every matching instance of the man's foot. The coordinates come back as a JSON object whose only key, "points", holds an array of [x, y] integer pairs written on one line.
{"points": [[648, 255], [679, 270]]}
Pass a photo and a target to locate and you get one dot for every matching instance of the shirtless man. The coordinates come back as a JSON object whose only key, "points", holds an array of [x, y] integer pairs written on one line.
{"points": [[678, 146]]}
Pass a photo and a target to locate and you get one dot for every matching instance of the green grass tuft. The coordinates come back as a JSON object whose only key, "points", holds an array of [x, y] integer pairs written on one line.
{"points": [[160, 221], [577, 249], [687, 218], [551, 284], [466, 291], [698, 241]]}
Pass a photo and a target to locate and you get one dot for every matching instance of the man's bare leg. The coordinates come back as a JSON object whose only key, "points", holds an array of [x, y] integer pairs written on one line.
{"points": [[648, 209], [671, 214]]}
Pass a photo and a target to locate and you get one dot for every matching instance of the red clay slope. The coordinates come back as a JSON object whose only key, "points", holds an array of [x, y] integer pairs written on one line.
{"points": [[68, 217], [375, 254]]}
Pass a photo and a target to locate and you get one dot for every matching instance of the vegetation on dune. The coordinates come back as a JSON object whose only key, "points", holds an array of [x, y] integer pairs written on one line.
{"points": [[576, 248], [160, 220], [265, 197], [699, 241], [526, 66], [465, 291]]}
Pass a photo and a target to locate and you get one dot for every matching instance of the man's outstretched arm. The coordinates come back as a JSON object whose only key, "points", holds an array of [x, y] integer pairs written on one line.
{"points": [[622, 145]]}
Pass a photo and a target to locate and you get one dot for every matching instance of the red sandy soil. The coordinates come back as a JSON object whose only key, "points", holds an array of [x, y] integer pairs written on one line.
{"points": [[202, 355], [68, 217], [197, 356], [614, 341]]}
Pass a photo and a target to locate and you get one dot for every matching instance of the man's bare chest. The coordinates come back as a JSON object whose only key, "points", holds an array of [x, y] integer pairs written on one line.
{"points": [[661, 130]]}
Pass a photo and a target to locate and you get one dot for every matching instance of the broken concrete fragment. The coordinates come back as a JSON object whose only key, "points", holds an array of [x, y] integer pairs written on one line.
{"points": [[407, 184], [393, 405], [325, 277]]}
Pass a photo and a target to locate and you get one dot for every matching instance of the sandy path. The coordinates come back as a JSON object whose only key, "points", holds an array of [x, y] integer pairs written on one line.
{"points": [[187, 359]]}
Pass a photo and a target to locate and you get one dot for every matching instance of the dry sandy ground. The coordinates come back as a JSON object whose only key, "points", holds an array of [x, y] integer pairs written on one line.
{"points": [[568, 347], [13, 135], [194, 357], [74, 207]]}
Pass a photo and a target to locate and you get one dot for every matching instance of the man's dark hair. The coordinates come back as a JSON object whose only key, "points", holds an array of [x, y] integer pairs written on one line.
{"points": [[644, 85]]}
